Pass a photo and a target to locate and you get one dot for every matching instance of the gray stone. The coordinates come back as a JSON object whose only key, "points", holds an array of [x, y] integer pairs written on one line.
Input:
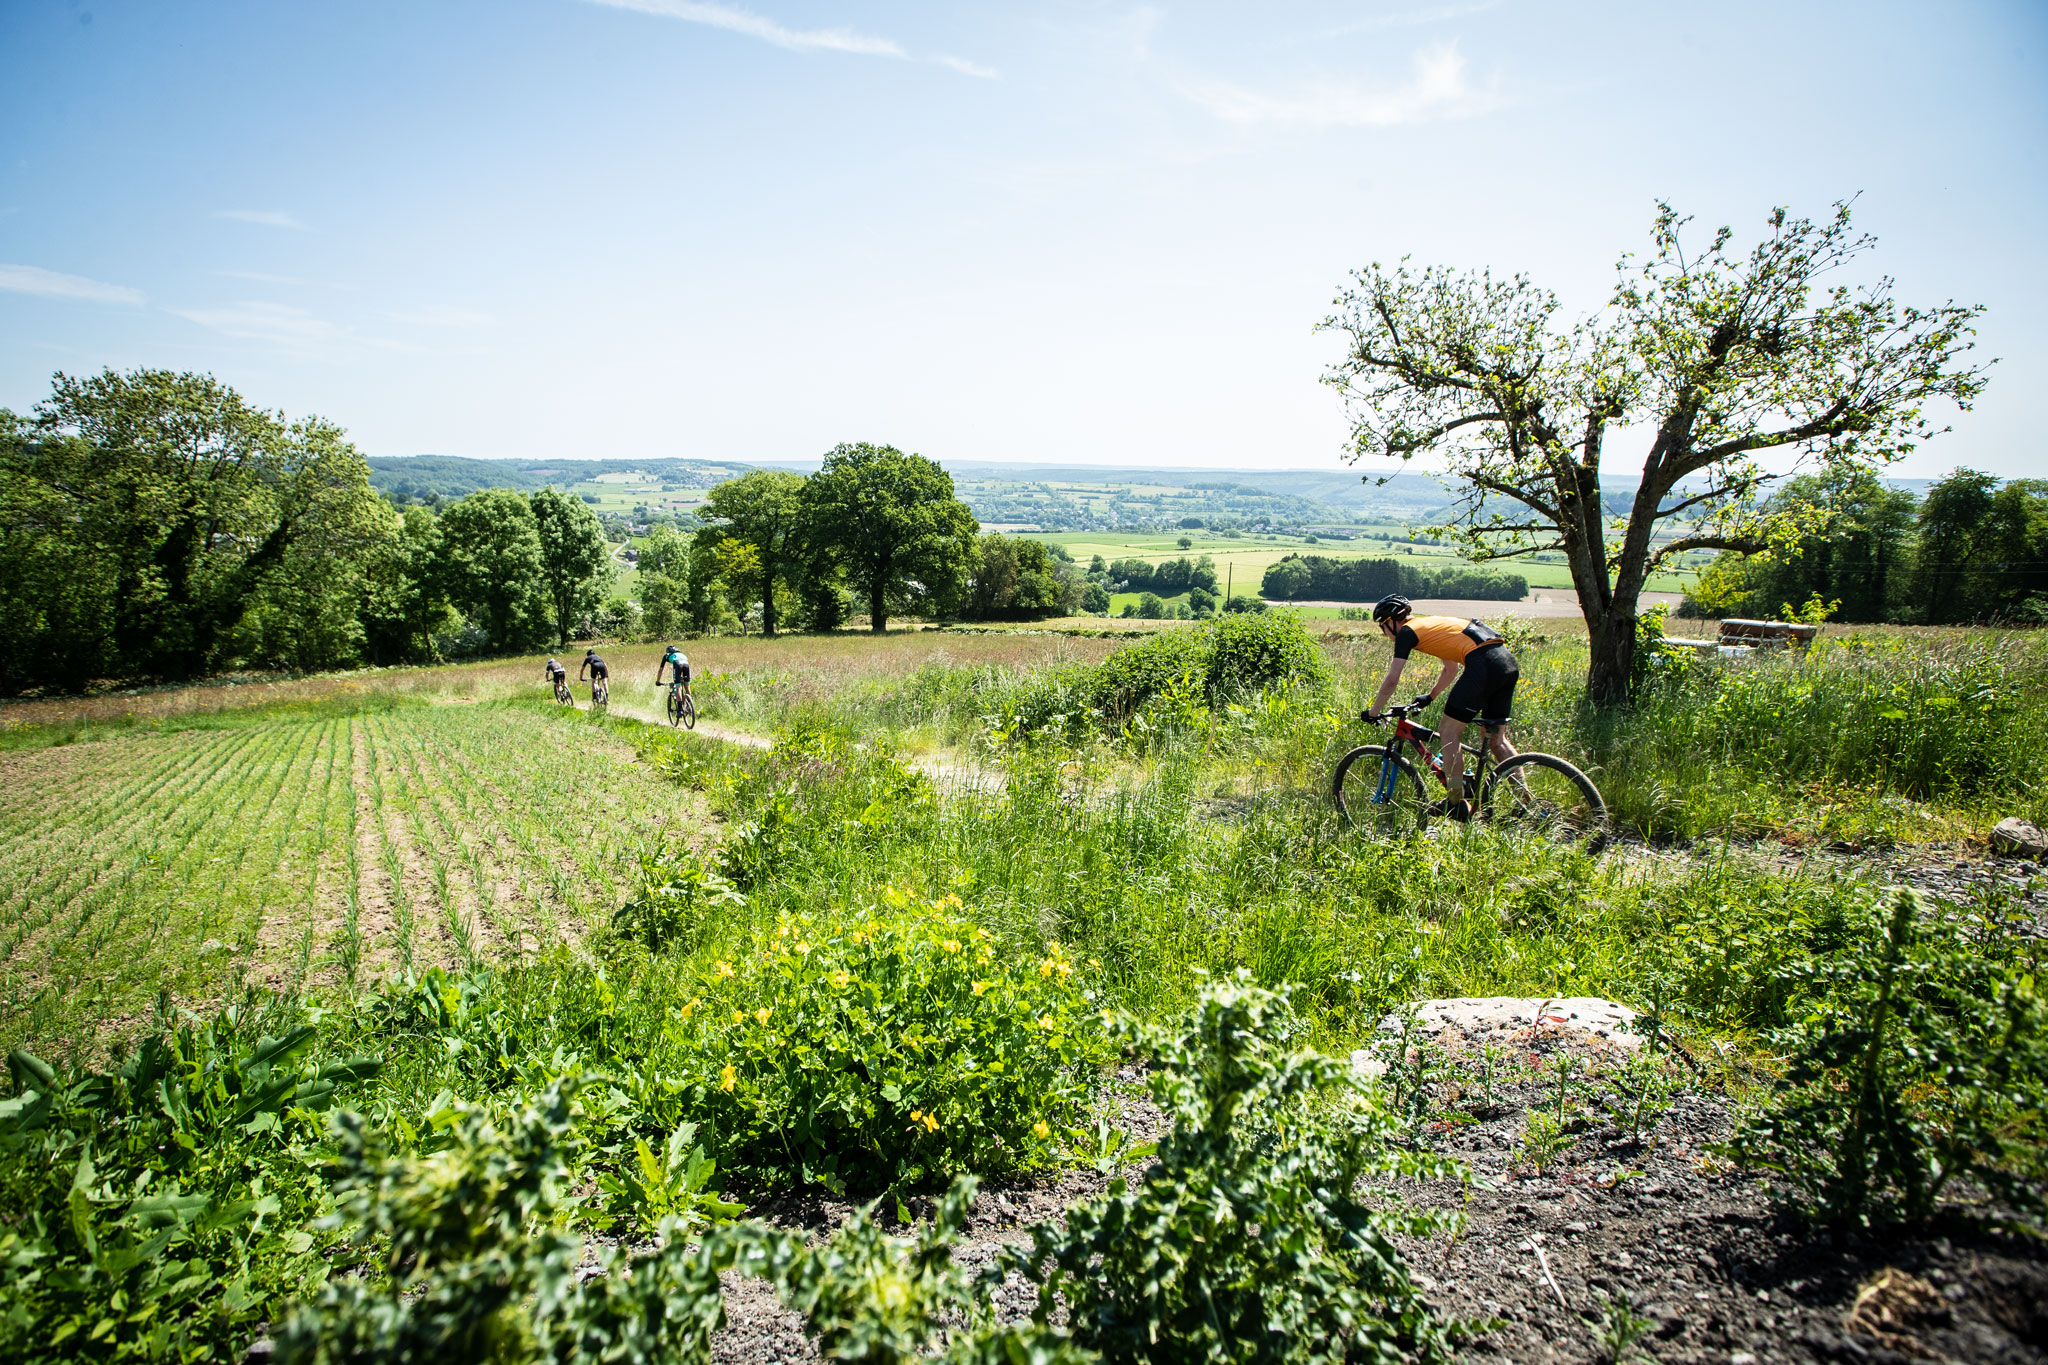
{"points": [[2017, 838]]}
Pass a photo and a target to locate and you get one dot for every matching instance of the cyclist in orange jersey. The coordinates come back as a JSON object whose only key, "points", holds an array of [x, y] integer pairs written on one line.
{"points": [[1474, 655]]}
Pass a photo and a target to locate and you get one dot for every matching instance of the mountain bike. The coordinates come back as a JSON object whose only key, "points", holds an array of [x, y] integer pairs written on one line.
{"points": [[1377, 786], [562, 692], [600, 693], [682, 707]]}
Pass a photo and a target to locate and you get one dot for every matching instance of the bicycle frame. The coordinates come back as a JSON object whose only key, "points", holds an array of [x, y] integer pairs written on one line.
{"points": [[1422, 737]]}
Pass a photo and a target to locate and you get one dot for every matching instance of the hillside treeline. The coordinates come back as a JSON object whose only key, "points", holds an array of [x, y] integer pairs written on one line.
{"points": [[1972, 550], [1320, 578], [158, 527]]}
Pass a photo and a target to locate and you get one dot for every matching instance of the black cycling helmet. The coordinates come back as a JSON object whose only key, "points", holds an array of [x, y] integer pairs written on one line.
{"points": [[590, 654], [1390, 606]]}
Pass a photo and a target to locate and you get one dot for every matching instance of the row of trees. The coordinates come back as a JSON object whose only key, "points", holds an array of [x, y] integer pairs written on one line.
{"points": [[1168, 578], [1971, 550], [873, 530], [158, 526], [1318, 577]]}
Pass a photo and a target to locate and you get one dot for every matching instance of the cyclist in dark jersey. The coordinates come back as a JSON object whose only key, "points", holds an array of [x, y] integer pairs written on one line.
{"points": [[673, 658], [594, 666], [1473, 654], [556, 674]]}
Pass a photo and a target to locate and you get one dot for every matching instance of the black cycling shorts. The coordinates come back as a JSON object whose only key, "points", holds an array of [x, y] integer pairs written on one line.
{"points": [[1486, 689]]}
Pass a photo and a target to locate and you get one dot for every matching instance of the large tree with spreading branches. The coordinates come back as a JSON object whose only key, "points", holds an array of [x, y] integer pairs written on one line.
{"points": [[1731, 371]]}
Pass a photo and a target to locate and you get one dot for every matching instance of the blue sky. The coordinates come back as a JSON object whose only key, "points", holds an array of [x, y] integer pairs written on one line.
{"points": [[1072, 232]]}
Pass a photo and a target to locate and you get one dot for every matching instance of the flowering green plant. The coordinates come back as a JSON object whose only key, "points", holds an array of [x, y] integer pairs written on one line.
{"points": [[889, 1045]]}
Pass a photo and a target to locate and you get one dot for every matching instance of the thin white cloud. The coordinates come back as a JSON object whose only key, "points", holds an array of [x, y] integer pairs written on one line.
{"points": [[275, 323], [1437, 89], [443, 316], [258, 276], [29, 279], [733, 19], [262, 218], [1435, 14], [967, 68]]}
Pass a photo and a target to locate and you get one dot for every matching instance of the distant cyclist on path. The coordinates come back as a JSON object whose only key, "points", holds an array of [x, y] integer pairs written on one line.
{"points": [[594, 666], [556, 674], [1475, 655], [678, 663]]}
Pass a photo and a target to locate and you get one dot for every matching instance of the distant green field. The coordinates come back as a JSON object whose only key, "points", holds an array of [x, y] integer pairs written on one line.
{"points": [[1241, 562]]}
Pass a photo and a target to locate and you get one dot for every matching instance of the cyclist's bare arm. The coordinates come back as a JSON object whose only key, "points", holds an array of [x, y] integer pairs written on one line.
{"points": [[1394, 671]]}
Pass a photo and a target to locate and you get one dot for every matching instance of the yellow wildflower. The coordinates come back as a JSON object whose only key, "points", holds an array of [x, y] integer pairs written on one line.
{"points": [[1045, 1022], [951, 945], [728, 1078], [858, 937], [985, 955], [761, 1016], [1045, 967], [981, 933], [980, 986], [722, 969], [841, 978], [739, 1016], [782, 931], [803, 947], [1041, 1130], [1065, 969]]}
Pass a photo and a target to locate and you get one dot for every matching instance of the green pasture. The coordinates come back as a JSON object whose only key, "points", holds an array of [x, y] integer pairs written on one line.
{"points": [[1242, 561]]}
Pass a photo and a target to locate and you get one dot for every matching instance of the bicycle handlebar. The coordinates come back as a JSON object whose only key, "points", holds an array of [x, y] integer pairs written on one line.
{"points": [[1397, 713]]}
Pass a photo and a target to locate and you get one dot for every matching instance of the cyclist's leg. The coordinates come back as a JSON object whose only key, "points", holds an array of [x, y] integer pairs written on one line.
{"points": [[1499, 709], [1453, 731]]}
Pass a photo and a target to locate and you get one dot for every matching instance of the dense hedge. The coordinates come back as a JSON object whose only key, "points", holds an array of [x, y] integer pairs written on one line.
{"points": [[1305, 577]]}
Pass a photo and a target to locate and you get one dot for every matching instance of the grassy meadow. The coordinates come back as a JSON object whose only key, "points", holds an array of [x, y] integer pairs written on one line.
{"points": [[441, 895]]}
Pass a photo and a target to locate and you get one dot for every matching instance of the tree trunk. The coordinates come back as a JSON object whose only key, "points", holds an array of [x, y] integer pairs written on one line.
{"points": [[878, 619], [1611, 649], [768, 603]]}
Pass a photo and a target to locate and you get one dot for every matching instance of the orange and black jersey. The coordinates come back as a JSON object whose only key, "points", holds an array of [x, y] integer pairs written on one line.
{"points": [[1443, 637]]}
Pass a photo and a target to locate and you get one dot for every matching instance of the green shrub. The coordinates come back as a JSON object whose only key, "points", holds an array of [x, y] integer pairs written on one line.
{"points": [[1923, 1063], [1249, 653], [1249, 1238], [157, 1211], [473, 1264], [1123, 683], [866, 1296], [892, 1047], [677, 892]]}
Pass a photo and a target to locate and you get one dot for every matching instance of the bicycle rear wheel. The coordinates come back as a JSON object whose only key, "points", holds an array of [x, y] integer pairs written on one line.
{"points": [[675, 706], [563, 695], [1545, 795], [689, 712], [1361, 777], [600, 693]]}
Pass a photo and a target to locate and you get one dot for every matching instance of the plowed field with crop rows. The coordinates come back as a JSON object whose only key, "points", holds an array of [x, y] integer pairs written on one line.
{"points": [[285, 849]]}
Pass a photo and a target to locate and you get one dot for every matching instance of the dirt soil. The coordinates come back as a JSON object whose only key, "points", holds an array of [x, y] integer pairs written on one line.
{"points": [[1716, 1272]]}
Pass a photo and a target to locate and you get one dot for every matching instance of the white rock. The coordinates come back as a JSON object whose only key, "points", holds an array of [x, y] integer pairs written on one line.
{"points": [[2017, 838], [1491, 1016]]}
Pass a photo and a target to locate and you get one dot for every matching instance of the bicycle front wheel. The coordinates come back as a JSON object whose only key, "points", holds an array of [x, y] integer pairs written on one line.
{"points": [[1547, 796], [1372, 798], [675, 706]]}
